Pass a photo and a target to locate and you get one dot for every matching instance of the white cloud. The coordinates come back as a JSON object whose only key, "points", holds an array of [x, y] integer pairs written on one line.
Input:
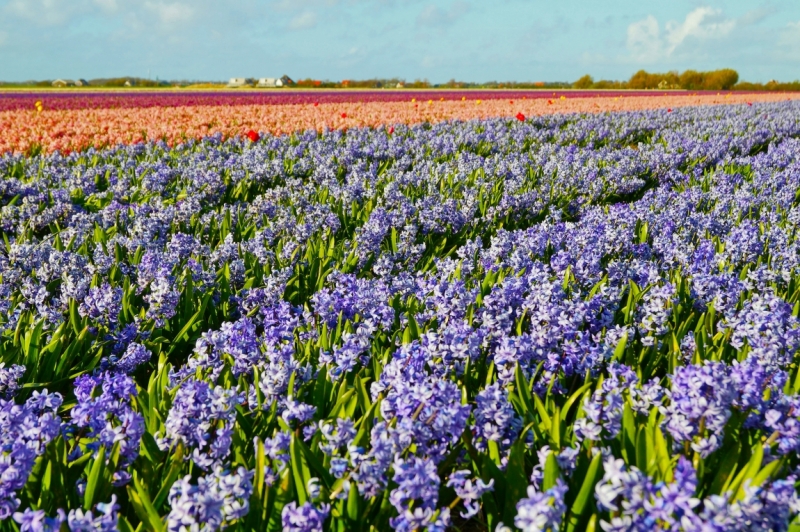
{"points": [[704, 23], [170, 13], [789, 39], [755, 16], [303, 21], [107, 5], [646, 43], [44, 12], [351, 57], [430, 61], [297, 5], [644, 39], [433, 15]]}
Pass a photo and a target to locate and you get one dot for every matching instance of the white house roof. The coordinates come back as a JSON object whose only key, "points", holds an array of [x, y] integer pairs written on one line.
{"points": [[269, 82], [239, 82]]}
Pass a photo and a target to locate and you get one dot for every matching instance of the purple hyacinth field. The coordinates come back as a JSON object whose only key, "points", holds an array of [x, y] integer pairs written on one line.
{"points": [[559, 323]]}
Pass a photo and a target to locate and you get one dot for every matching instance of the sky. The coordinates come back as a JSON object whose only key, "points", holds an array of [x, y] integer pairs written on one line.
{"points": [[438, 40]]}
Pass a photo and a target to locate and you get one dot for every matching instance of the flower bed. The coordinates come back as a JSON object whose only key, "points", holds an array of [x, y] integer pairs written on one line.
{"points": [[99, 99], [564, 322], [40, 128]]}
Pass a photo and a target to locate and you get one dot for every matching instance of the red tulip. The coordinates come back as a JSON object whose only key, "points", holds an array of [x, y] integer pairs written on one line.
{"points": [[511, 102], [520, 117], [669, 110], [253, 136], [750, 104], [344, 115], [316, 104], [391, 129], [549, 102]]}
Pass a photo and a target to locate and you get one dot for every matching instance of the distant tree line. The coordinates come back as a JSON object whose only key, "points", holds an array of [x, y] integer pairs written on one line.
{"points": [[310, 83], [712, 80], [135, 82], [392, 83], [771, 85], [453, 84], [102, 82]]}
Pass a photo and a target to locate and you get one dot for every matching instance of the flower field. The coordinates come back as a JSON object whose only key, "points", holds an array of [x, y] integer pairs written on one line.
{"points": [[89, 99], [538, 322], [70, 122]]}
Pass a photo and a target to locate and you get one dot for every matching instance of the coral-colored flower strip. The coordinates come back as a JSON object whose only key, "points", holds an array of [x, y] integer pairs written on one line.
{"points": [[90, 99], [77, 129]]}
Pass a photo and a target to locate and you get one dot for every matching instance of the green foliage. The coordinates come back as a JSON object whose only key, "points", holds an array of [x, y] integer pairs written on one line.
{"points": [[714, 80]]}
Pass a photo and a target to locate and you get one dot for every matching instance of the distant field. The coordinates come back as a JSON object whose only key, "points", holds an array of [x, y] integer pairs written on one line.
{"points": [[69, 122], [102, 99]]}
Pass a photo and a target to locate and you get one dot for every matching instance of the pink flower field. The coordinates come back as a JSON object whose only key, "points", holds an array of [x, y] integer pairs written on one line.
{"points": [[54, 125], [89, 99]]}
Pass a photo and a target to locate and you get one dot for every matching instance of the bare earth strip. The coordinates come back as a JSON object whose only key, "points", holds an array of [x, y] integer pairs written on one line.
{"points": [[77, 129]]}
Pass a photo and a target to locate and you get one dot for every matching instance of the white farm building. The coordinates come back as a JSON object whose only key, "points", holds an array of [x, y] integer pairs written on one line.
{"points": [[239, 82], [269, 82]]}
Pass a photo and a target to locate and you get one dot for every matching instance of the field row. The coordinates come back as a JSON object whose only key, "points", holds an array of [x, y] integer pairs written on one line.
{"points": [[82, 99], [42, 129]]}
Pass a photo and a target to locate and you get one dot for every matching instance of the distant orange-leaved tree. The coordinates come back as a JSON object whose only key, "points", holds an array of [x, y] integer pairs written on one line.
{"points": [[723, 79]]}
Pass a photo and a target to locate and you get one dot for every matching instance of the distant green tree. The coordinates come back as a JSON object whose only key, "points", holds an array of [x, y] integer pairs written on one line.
{"points": [[585, 82], [692, 80], [718, 80], [723, 79], [419, 84], [769, 86], [609, 84], [643, 80]]}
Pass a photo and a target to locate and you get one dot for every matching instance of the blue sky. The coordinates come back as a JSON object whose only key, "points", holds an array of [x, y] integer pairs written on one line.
{"points": [[523, 40]]}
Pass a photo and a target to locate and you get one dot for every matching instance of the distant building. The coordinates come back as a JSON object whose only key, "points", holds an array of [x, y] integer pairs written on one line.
{"points": [[63, 83], [128, 83], [287, 80], [81, 83], [269, 82], [401, 86], [239, 82]]}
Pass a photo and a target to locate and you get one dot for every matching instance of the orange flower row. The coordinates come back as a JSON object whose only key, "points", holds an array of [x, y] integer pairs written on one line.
{"points": [[77, 129]]}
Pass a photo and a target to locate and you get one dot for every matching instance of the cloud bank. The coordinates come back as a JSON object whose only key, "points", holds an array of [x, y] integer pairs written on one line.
{"points": [[648, 44]]}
